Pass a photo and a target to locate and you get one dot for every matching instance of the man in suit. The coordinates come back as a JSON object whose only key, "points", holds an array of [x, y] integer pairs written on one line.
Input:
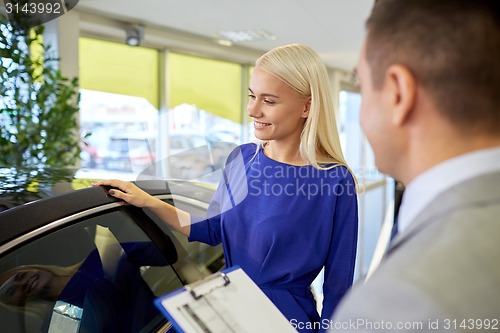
{"points": [[430, 79]]}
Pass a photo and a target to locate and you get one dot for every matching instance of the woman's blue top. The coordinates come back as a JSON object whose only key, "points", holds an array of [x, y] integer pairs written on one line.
{"points": [[282, 224]]}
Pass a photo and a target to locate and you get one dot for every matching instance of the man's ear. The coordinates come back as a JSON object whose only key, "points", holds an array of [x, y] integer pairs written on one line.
{"points": [[307, 108], [401, 90]]}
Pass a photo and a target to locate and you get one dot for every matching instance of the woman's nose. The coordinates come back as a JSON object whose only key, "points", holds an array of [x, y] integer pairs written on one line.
{"points": [[253, 109]]}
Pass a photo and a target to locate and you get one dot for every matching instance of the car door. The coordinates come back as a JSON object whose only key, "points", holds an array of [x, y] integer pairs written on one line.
{"points": [[98, 270]]}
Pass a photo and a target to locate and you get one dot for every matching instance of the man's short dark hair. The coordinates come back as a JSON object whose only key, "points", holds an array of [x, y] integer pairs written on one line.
{"points": [[452, 47]]}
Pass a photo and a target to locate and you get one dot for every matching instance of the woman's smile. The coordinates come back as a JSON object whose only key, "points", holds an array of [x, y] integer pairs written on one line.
{"points": [[32, 283], [259, 125]]}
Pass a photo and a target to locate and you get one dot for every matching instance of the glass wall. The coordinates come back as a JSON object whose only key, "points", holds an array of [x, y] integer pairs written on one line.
{"points": [[118, 108], [204, 121], [204, 97], [129, 137], [375, 190]]}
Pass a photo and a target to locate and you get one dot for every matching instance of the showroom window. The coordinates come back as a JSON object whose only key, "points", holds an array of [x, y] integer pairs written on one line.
{"points": [[204, 97], [204, 121], [137, 130], [375, 190], [118, 108]]}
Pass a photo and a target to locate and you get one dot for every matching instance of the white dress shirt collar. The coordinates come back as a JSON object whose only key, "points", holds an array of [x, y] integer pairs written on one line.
{"points": [[427, 186]]}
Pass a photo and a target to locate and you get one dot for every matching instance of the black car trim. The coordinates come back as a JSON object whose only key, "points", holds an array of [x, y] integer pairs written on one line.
{"points": [[19, 220], [65, 220], [23, 219], [56, 224], [162, 241]]}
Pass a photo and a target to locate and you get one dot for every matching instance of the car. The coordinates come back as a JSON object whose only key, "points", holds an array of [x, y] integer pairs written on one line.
{"points": [[83, 261], [179, 142], [190, 157], [202, 162], [128, 153]]}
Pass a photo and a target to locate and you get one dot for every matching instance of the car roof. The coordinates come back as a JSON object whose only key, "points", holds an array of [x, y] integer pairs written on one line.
{"points": [[19, 220]]}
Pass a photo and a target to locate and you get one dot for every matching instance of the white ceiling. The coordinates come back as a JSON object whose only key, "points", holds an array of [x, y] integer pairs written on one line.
{"points": [[334, 28]]}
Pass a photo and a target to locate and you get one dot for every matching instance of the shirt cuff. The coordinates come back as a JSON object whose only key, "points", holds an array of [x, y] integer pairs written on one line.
{"points": [[197, 229]]}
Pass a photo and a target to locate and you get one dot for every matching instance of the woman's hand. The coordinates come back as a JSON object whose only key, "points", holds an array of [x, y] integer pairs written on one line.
{"points": [[128, 192], [176, 218]]}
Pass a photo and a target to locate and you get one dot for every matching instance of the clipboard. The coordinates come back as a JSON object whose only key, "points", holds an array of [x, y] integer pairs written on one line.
{"points": [[224, 302]]}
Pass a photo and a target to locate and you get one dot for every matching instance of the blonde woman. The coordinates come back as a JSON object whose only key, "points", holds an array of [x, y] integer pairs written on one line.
{"points": [[286, 207], [34, 281], [108, 299], [33, 290]]}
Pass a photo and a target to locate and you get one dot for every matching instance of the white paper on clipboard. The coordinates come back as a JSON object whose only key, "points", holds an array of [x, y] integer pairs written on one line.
{"points": [[225, 302]]}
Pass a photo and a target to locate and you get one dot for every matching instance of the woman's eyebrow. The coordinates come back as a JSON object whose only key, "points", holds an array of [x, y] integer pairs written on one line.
{"points": [[10, 291], [264, 95]]}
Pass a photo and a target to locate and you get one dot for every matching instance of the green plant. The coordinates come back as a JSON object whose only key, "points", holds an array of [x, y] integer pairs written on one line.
{"points": [[38, 106]]}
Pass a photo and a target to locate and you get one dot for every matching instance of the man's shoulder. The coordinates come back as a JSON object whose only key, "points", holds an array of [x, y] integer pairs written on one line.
{"points": [[481, 188], [446, 270], [476, 195], [383, 302]]}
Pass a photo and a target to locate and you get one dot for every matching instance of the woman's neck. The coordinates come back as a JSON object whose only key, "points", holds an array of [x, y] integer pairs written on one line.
{"points": [[58, 284], [284, 152]]}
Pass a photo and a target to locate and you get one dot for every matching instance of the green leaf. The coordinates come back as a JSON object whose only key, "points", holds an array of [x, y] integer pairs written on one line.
{"points": [[39, 108]]}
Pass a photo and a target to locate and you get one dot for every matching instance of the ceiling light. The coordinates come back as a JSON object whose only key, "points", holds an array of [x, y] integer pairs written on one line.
{"points": [[247, 35], [134, 35], [224, 42]]}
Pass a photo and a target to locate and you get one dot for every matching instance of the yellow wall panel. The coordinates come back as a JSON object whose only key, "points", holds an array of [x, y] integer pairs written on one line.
{"points": [[211, 85], [119, 68]]}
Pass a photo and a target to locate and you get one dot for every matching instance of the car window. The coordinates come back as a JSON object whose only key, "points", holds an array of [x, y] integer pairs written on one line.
{"points": [[197, 141], [195, 259], [119, 145], [98, 275], [178, 143]]}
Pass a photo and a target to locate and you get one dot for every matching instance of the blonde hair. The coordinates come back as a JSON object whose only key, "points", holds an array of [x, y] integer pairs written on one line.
{"points": [[36, 307], [54, 269], [300, 67]]}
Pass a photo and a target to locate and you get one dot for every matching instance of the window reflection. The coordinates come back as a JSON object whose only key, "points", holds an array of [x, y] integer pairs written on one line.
{"points": [[94, 277]]}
